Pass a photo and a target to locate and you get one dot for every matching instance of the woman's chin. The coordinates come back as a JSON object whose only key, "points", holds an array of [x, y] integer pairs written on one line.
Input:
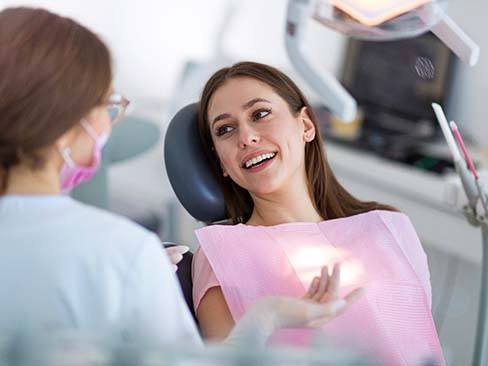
{"points": [[265, 188]]}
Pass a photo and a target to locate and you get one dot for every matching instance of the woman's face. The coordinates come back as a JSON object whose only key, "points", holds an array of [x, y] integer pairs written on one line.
{"points": [[259, 141]]}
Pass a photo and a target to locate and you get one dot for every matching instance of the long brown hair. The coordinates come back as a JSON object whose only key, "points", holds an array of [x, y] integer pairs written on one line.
{"points": [[53, 72], [329, 197]]}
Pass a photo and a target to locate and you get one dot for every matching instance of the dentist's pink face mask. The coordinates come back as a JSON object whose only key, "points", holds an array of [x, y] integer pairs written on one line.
{"points": [[73, 174]]}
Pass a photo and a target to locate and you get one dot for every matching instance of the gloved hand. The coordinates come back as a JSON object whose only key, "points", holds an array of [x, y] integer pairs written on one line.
{"points": [[320, 304], [175, 254]]}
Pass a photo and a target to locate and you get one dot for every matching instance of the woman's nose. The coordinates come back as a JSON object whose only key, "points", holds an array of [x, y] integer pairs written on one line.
{"points": [[247, 137]]}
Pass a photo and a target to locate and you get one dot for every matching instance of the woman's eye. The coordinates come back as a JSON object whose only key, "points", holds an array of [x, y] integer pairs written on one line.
{"points": [[222, 130], [261, 113]]}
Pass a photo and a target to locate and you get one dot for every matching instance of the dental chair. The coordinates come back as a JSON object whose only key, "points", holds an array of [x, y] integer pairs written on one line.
{"points": [[188, 169], [191, 177]]}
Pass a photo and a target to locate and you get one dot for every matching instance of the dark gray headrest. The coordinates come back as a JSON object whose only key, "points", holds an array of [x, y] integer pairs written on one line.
{"points": [[188, 168]]}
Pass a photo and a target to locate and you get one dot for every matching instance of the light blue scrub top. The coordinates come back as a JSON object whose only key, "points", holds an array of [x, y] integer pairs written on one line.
{"points": [[65, 265]]}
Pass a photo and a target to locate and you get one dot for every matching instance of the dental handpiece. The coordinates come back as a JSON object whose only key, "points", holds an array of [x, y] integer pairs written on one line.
{"points": [[467, 179]]}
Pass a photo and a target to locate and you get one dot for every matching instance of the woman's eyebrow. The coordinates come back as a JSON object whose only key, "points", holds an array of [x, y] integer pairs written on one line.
{"points": [[246, 105], [254, 101], [220, 117]]}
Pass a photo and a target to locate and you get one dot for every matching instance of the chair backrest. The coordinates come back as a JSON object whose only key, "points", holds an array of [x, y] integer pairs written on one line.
{"points": [[185, 278], [189, 170]]}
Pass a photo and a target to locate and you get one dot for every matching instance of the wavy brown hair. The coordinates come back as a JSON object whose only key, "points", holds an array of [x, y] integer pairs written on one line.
{"points": [[330, 198], [53, 72]]}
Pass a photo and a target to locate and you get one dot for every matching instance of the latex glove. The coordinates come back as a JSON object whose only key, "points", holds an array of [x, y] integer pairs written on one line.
{"points": [[320, 304], [175, 254]]}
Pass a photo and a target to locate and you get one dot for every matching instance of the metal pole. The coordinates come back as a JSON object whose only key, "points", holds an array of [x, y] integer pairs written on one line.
{"points": [[481, 347]]}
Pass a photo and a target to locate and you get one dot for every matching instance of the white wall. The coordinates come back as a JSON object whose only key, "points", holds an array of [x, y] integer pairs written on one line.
{"points": [[149, 39]]}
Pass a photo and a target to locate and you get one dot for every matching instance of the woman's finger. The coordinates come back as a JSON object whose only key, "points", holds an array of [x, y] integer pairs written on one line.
{"points": [[323, 283], [332, 290], [313, 288], [351, 298], [354, 295], [334, 282], [332, 309]]}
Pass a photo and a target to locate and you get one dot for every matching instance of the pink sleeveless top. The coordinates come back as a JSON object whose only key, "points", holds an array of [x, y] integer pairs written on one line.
{"points": [[378, 250]]}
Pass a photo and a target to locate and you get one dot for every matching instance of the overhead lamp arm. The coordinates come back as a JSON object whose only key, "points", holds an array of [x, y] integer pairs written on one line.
{"points": [[326, 85]]}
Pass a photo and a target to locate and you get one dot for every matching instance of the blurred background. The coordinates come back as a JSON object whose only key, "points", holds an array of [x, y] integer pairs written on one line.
{"points": [[165, 50]]}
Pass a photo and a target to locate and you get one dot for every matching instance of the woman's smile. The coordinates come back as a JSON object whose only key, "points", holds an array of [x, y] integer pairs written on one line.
{"points": [[260, 163]]}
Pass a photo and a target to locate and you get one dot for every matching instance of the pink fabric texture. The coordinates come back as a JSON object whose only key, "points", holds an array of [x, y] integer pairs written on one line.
{"points": [[378, 250]]}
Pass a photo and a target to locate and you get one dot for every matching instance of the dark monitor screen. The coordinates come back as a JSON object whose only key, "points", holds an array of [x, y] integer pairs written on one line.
{"points": [[399, 77]]}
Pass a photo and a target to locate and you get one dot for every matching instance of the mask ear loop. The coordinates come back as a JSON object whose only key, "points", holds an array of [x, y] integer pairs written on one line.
{"points": [[66, 155], [66, 152], [89, 129]]}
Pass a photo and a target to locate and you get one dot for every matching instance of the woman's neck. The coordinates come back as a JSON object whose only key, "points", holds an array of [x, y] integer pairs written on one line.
{"points": [[21, 180], [293, 204]]}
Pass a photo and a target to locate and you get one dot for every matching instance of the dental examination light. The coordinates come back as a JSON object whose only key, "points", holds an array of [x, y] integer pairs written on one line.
{"points": [[375, 20], [476, 212]]}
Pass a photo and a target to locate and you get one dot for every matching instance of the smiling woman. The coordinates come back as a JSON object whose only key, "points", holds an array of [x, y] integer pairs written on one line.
{"points": [[292, 217], [252, 109]]}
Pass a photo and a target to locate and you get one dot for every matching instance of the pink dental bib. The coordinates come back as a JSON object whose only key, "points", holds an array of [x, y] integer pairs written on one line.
{"points": [[379, 251]]}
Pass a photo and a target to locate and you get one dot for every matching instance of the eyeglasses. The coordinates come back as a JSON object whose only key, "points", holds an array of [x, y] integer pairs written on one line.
{"points": [[116, 107]]}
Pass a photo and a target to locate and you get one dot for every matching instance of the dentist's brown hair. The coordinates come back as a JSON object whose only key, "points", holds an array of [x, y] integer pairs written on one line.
{"points": [[330, 198], [53, 72]]}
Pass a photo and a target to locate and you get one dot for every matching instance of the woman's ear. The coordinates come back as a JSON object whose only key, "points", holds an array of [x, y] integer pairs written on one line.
{"points": [[308, 125]]}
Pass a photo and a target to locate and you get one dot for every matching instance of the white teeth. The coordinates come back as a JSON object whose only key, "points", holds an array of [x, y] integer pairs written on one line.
{"points": [[258, 159]]}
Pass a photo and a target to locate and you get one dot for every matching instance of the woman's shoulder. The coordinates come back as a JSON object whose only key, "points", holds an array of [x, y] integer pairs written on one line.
{"points": [[390, 219], [219, 227], [390, 213], [392, 216], [379, 214]]}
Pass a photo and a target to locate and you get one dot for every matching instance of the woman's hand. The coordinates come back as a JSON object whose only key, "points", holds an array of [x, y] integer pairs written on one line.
{"points": [[325, 290], [320, 304]]}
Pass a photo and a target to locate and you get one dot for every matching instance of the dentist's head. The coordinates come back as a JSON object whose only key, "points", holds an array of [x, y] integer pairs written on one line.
{"points": [[55, 87], [264, 143]]}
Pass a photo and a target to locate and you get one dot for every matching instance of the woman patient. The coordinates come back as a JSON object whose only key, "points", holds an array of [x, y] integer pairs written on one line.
{"points": [[291, 216]]}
